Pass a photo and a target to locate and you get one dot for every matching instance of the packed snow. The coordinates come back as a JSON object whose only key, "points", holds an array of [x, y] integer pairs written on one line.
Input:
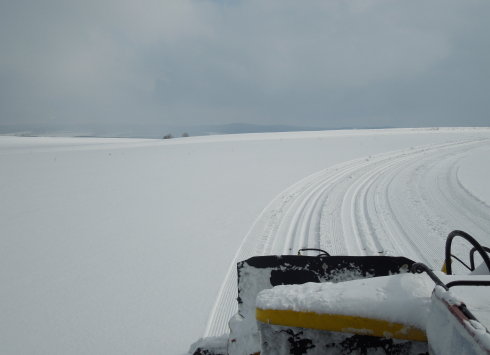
{"points": [[127, 246]]}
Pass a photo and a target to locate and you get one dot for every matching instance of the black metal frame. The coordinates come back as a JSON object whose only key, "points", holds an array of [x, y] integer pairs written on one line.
{"points": [[476, 245], [468, 283], [322, 252], [472, 261]]}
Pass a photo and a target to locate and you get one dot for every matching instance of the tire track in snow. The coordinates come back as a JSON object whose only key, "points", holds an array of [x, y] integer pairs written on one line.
{"points": [[388, 204]]}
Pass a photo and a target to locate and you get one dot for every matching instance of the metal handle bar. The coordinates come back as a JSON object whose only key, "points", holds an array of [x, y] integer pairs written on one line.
{"points": [[313, 249], [470, 239]]}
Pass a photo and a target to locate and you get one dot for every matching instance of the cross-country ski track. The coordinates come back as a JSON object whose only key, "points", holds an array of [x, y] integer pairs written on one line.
{"points": [[397, 203]]}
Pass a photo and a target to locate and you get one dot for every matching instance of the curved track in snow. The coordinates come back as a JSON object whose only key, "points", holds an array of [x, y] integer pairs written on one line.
{"points": [[398, 203]]}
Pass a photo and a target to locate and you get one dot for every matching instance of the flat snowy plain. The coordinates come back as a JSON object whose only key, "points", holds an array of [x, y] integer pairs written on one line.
{"points": [[124, 246]]}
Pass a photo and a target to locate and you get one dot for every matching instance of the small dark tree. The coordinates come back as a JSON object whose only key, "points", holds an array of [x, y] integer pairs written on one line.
{"points": [[168, 136], [185, 134]]}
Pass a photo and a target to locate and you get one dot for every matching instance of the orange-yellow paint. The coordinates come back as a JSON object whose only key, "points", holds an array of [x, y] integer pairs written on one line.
{"points": [[340, 323], [444, 267]]}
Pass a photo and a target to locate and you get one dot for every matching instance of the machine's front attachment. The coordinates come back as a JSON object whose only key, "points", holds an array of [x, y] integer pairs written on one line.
{"points": [[264, 272]]}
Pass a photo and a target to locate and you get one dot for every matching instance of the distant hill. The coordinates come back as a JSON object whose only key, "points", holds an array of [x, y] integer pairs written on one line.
{"points": [[236, 128], [151, 130]]}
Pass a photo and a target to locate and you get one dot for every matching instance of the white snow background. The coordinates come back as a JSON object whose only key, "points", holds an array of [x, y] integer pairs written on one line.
{"points": [[120, 246]]}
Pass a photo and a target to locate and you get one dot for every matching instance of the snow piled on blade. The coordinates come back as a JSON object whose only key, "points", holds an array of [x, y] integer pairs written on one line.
{"points": [[402, 299]]}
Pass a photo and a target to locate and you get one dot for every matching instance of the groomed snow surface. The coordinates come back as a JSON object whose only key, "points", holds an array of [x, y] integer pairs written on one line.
{"points": [[124, 246]]}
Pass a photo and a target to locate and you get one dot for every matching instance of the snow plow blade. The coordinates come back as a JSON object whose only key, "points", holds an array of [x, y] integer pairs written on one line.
{"points": [[264, 272], [368, 316]]}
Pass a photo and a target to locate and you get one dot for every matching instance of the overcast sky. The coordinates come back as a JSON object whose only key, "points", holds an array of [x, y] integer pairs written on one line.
{"points": [[187, 62]]}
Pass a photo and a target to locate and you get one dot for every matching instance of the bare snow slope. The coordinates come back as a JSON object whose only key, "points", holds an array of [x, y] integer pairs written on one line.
{"points": [[113, 246]]}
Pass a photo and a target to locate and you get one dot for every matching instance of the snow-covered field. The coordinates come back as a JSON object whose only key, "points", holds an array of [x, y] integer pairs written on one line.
{"points": [[124, 246]]}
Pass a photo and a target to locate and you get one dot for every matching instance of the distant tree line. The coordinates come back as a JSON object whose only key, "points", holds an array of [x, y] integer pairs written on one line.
{"points": [[169, 136]]}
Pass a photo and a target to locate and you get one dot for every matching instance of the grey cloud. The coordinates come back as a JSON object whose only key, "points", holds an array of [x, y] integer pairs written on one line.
{"points": [[315, 63]]}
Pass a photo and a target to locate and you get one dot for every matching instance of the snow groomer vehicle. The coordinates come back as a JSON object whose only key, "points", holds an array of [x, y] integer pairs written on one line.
{"points": [[316, 305]]}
